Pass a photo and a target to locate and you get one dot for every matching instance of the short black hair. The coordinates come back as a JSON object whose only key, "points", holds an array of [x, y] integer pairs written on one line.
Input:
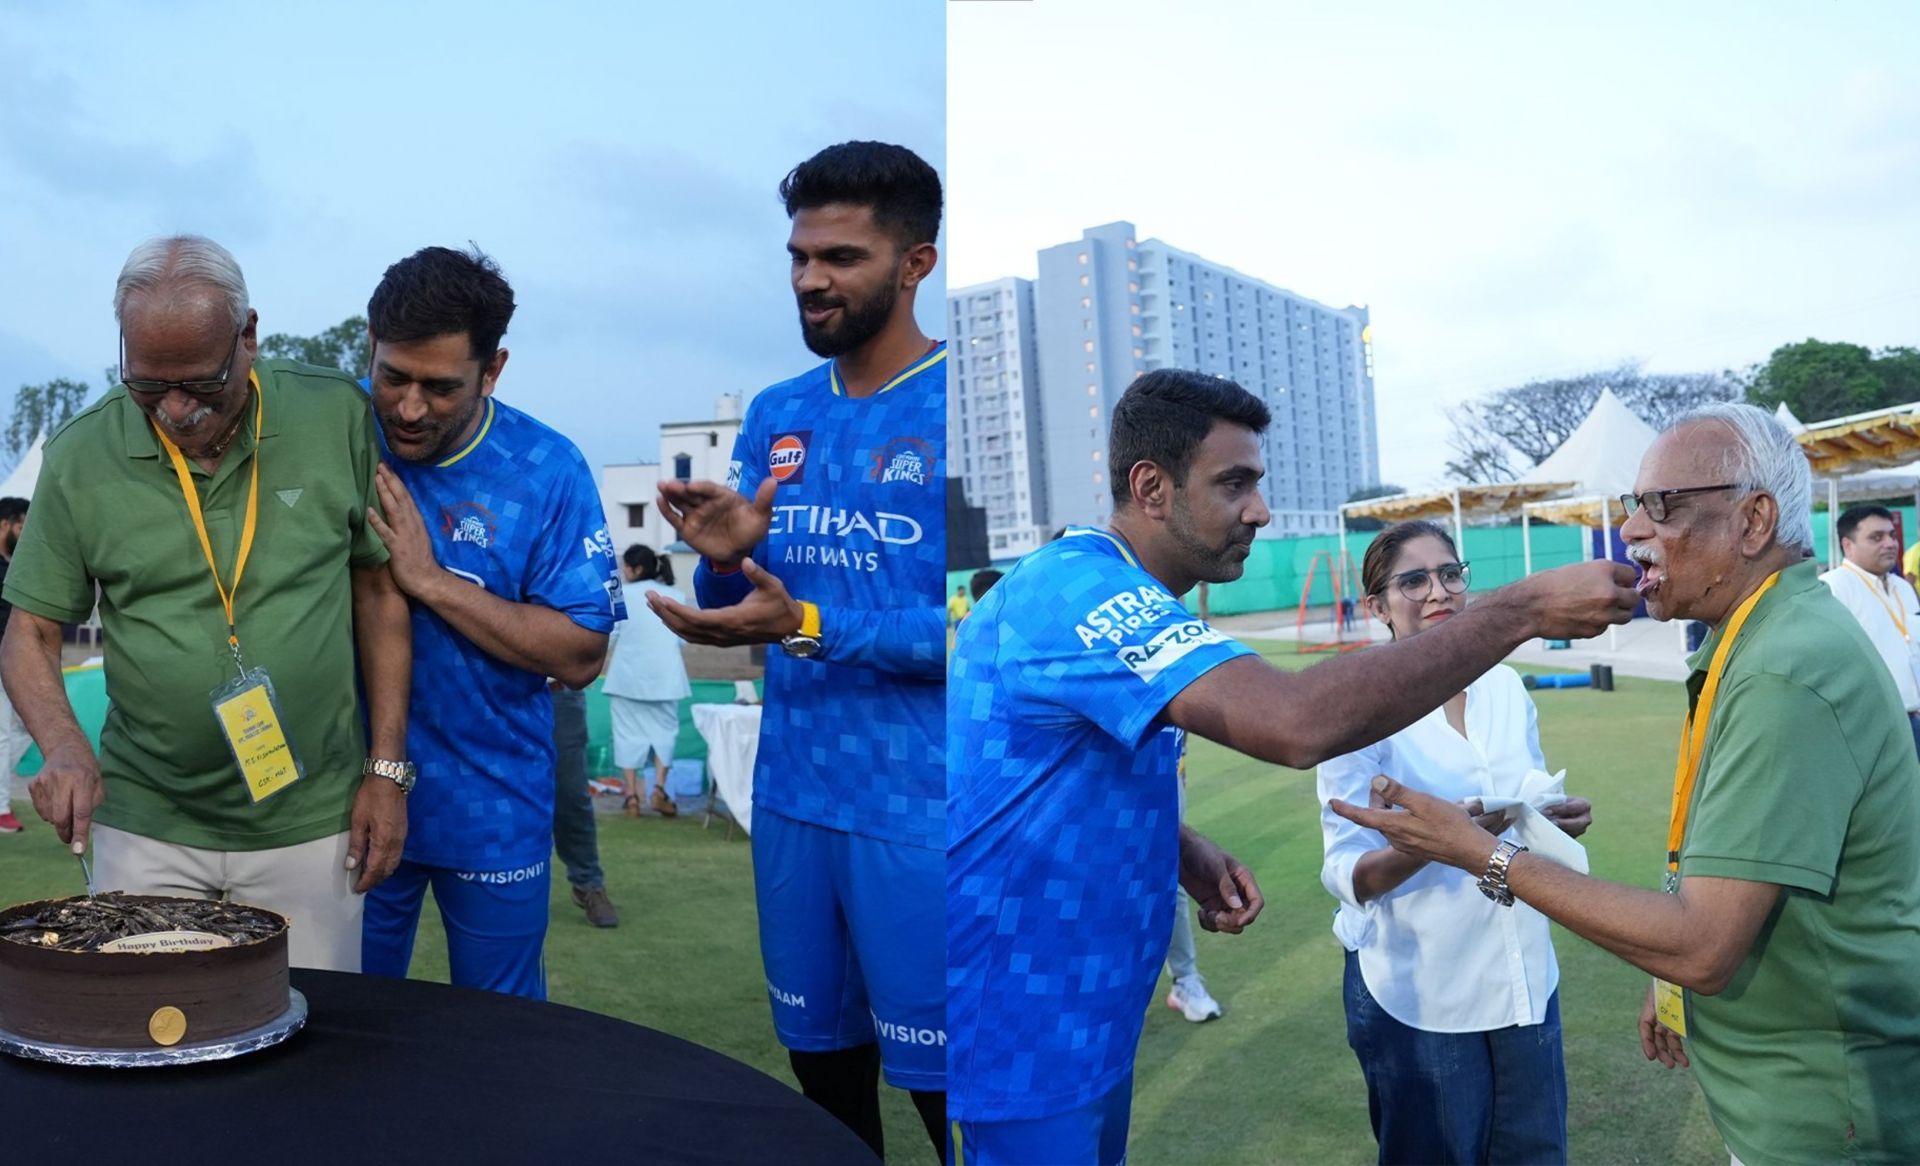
{"points": [[437, 290], [893, 182], [982, 582], [12, 509], [1853, 516], [1165, 415]]}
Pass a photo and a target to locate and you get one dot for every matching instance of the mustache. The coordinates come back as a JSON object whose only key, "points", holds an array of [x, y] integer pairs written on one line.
{"points": [[818, 302], [188, 422], [1644, 554]]}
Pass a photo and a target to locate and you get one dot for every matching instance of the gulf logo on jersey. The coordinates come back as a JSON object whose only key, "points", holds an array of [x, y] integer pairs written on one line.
{"points": [[787, 460]]}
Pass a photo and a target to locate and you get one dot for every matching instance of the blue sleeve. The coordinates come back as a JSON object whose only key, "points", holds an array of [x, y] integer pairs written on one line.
{"points": [[1119, 664], [713, 589], [912, 642], [574, 568], [749, 464]]}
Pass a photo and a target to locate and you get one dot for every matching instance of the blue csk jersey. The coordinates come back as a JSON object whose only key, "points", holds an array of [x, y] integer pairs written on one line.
{"points": [[516, 512], [852, 739], [1064, 832]]}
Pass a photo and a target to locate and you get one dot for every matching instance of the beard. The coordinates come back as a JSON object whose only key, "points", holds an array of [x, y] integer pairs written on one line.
{"points": [[859, 322], [437, 438], [1207, 562], [12, 541]]}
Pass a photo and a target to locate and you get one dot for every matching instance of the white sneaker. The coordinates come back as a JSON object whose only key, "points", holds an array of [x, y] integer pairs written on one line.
{"points": [[1189, 998]]}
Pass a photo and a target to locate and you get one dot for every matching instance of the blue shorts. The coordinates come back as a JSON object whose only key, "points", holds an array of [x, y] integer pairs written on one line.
{"points": [[1093, 1135], [496, 925], [853, 937]]}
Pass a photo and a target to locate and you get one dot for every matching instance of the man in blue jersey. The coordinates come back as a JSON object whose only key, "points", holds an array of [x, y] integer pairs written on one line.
{"points": [[498, 537], [1073, 685], [839, 558]]}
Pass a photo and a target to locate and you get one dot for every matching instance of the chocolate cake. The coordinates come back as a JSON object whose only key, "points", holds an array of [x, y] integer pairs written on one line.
{"points": [[73, 972]]}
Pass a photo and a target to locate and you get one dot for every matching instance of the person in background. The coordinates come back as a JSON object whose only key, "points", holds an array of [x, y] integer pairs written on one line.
{"points": [[1188, 996], [13, 735], [576, 835], [958, 605], [1910, 565], [982, 582], [1866, 584], [646, 680], [1436, 974]]}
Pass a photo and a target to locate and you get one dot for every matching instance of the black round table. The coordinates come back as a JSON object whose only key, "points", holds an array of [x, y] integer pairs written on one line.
{"points": [[401, 1071]]}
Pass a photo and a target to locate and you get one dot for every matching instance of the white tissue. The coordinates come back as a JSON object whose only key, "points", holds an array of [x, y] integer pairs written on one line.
{"points": [[1535, 830]]}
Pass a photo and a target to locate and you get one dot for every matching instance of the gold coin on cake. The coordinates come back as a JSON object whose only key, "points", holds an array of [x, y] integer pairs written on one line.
{"points": [[167, 1025]]}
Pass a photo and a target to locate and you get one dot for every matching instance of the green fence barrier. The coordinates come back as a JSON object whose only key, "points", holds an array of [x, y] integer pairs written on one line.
{"points": [[1277, 569]]}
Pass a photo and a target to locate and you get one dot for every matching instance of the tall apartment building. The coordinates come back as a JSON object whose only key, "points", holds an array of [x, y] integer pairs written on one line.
{"points": [[1109, 307], [993, 406]]}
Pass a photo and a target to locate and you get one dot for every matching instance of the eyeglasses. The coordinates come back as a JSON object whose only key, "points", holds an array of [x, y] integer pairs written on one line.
{"points": [[201, 389], [1419, 584], [1654, 502]]}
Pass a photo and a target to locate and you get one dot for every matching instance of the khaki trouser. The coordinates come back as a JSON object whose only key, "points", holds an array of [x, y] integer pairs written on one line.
{"points": [[308, 883]]}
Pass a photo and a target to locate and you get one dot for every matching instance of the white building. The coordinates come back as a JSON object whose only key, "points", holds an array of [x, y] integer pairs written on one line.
{"points": [[993, 412]]}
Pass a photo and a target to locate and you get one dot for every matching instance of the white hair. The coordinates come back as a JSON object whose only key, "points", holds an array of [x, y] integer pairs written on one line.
{"points": [[179, 259], [1764, 456]]}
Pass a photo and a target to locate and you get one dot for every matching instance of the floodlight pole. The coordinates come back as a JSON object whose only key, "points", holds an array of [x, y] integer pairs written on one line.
{"points": [[1606, 544], [1459, 527], [1833, 523], [1526, 540]]}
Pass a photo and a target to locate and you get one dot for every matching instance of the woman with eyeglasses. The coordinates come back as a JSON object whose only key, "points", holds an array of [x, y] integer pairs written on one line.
{"points": [[1450, 997]]}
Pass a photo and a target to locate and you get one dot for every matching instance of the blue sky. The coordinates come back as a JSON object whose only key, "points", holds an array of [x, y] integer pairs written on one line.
{"points": [[619, 160], [1516, 190]]}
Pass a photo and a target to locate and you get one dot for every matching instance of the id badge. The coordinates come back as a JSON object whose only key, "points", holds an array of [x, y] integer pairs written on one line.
{"points": [[1669, 1006], [250, 720]]}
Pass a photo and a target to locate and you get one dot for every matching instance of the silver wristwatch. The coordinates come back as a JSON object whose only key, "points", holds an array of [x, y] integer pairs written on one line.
{"points": [[800, 646], [1493, 884], [400, 773]]}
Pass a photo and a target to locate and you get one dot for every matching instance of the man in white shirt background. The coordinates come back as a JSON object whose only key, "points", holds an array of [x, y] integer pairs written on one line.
{"points": [[1867, 582]]}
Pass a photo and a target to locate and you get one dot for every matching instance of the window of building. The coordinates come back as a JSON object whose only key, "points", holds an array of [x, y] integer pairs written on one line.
{"points": [[1093, 411], [1093, 390], [1088, 345], [1083, 281], [683, 467], [1083, 259], [1086, 301], [636, 514]]}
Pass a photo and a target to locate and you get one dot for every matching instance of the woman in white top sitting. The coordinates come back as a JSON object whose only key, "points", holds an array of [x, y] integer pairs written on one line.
{"points": [[1450, 998]]}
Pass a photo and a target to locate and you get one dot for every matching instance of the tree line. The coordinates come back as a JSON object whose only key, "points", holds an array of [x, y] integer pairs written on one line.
{"points": [[1502, 434], [43, 408]]}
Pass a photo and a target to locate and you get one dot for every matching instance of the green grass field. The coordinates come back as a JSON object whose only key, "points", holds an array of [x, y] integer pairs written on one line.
{"points": [[1272, 1081]]}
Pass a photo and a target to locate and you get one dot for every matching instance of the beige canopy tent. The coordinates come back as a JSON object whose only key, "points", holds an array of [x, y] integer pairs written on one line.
{"points": [[1853, 456]]}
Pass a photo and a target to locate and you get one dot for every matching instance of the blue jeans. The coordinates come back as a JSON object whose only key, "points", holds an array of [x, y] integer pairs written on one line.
{"points": [[1459, 1097], [576, 838]]}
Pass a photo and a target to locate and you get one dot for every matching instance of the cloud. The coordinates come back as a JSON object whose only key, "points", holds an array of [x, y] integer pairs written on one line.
{"points": [[58, 150]]}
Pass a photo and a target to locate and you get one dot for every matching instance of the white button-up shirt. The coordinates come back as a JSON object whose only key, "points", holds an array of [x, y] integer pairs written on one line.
{"points": [[1890, 615], [1436, 953]]}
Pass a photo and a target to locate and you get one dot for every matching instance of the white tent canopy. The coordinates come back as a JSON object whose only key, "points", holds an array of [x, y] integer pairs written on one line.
{"points": [[19, 483]]}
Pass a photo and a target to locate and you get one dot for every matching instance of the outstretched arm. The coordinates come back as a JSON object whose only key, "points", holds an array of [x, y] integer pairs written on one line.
{"points": [[1300, 719]]}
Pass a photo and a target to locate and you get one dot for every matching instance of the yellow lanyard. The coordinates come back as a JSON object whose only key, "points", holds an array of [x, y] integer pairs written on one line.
{"points": [[192, 496], [1693, 734], [1893, 609]]}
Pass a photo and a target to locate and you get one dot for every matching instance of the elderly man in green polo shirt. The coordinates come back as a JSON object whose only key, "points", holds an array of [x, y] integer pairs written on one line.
{"points": [[216, 507], [1785, 948]]}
